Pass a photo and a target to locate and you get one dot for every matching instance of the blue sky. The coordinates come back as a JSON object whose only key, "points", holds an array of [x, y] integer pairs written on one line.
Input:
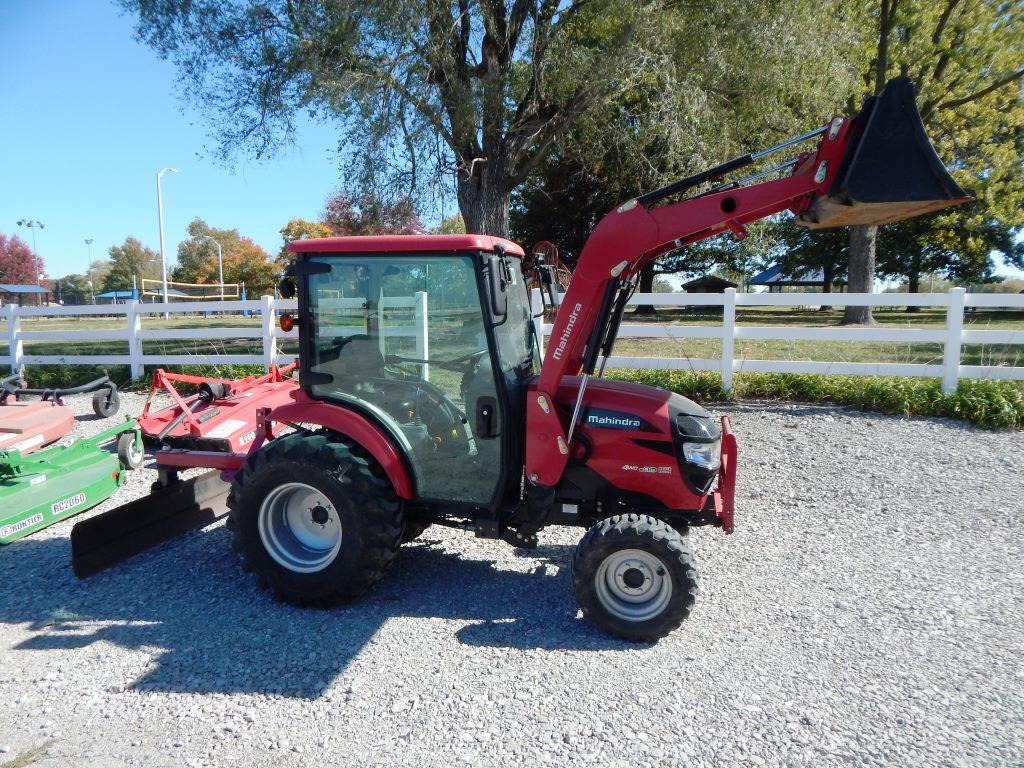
{"points": [[90, 116]]}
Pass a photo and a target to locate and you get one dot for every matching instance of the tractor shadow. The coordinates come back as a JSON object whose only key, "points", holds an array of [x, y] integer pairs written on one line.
{"points": [[206, 628]]}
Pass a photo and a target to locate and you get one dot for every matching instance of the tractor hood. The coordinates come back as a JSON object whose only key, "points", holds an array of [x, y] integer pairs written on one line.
{"points": [[889, 171], [641, 400]]}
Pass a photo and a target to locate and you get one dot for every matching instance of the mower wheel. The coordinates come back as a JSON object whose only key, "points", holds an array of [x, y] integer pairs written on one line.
{"points": [[634, 578], [315, 519], [106, 402], [129, 451]]}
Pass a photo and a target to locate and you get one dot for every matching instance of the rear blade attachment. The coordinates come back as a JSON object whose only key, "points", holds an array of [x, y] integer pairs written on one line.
{"points": [[169, 511], [889, 171]]}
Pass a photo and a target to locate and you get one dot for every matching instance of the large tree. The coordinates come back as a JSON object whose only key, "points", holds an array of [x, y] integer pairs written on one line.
{"points": [[958, 248], [366, 214], [346, 215], [966, 59], [244, 261], [300, 229], [74, 289], [482, 90], [734, 78], [801, 250], [17, 262], [130, 262]]}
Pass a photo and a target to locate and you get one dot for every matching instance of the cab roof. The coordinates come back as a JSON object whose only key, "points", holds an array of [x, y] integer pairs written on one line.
{"points": [[405, 244]]}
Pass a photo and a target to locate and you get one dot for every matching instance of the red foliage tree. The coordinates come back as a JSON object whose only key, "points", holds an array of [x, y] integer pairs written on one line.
{"points": [[347, 215], [17, 262]]}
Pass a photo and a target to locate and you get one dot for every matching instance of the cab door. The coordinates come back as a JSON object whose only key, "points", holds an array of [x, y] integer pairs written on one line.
{"points": [[404, 339]]}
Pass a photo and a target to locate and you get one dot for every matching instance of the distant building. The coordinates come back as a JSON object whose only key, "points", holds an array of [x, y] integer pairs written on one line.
{"points": [[11, 291], [709, 284], [116, 297], [776, 278]]}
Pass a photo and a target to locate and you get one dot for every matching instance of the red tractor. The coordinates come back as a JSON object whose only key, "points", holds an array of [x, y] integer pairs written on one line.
{"points": [[456, 420]]}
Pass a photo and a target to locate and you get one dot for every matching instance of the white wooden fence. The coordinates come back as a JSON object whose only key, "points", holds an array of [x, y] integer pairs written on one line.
{"points": [[952, 337], [132, 333]]}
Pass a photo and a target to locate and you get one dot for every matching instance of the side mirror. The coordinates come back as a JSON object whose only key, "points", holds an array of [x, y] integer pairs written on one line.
{"points": [[286, 287], [498, 284], [546, 275]]}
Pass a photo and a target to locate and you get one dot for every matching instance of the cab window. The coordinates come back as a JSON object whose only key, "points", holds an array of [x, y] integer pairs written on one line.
{"points": [[404, 338]]}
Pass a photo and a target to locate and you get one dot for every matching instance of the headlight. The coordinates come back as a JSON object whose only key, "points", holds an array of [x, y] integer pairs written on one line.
{"points": [[705, 455]]}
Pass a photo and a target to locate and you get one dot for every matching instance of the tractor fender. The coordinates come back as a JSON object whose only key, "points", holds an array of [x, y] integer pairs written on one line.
{"points": [[355, 427]]}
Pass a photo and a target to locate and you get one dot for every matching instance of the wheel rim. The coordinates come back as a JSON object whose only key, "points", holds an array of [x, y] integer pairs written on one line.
{"points": [[135, 453], [300, 528], [633, 585]]}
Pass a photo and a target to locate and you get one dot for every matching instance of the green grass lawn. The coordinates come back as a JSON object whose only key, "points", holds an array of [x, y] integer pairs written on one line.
{"points": [[838, 351]]}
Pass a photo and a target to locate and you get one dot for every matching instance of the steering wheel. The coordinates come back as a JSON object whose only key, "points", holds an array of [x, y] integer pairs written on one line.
{"points": [[462, 364]]}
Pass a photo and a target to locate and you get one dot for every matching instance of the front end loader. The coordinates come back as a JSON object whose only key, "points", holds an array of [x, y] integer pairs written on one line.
{"points": [[422, 399]]}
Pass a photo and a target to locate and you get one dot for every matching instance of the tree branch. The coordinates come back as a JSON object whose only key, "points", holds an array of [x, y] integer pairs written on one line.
{"points": [[882, 52], [954, 103]]}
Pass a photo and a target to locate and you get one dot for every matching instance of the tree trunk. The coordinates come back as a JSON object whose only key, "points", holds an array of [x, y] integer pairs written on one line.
{"points": [[484, 203], [646, 286], [914, 286], [861, 272], [828, 271]]}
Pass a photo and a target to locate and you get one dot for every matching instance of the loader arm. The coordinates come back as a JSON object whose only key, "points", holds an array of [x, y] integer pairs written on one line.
{"points": [[621, 244], [818, 191]]}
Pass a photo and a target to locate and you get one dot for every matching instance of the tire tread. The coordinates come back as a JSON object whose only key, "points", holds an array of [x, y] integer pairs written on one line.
{"points": [[372, 494]]}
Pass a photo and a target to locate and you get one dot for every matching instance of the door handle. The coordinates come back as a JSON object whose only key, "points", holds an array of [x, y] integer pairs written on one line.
{"points": [[486, 417]]}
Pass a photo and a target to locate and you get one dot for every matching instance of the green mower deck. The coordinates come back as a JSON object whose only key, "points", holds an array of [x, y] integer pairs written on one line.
{"points": [[56, 483]]}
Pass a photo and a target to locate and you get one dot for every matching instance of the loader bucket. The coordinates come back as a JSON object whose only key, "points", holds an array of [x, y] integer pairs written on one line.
{"points": [[889, 171]]}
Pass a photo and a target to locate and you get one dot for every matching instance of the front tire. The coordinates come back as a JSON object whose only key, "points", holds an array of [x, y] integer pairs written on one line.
{"points": [[316, 521], [634, 578]]}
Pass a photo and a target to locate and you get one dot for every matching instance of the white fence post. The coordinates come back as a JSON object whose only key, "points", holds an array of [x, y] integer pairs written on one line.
{"points": [[269, 318], [422, 332], [728, 337], [537, 310], [138, 370], [15, 347], [954, 339]]}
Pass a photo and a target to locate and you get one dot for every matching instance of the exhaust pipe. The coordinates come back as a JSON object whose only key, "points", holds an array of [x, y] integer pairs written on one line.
{"points": [[889, 171]]}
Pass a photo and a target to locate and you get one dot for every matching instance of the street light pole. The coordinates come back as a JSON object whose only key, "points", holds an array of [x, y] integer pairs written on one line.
{"points": [[88, 265], [220, 264], [160, 218], [32, 225]]}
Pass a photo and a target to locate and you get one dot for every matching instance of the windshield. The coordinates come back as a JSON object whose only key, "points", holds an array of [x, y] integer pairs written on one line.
{"points": [[516, 347]]}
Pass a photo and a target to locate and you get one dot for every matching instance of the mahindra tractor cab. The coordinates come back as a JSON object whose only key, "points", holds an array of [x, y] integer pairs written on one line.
{"points": [[423, 397]]}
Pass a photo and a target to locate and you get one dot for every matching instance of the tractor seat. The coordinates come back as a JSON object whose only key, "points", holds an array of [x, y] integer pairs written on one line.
{"points": [[358, 359]]}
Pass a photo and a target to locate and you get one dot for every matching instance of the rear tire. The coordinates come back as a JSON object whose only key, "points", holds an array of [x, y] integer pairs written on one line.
{"points": [[316, 521], [106, 402], [634, 578]]}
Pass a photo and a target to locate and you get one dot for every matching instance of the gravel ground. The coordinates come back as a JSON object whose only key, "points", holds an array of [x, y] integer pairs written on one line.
{"points": [[868, 611]]}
